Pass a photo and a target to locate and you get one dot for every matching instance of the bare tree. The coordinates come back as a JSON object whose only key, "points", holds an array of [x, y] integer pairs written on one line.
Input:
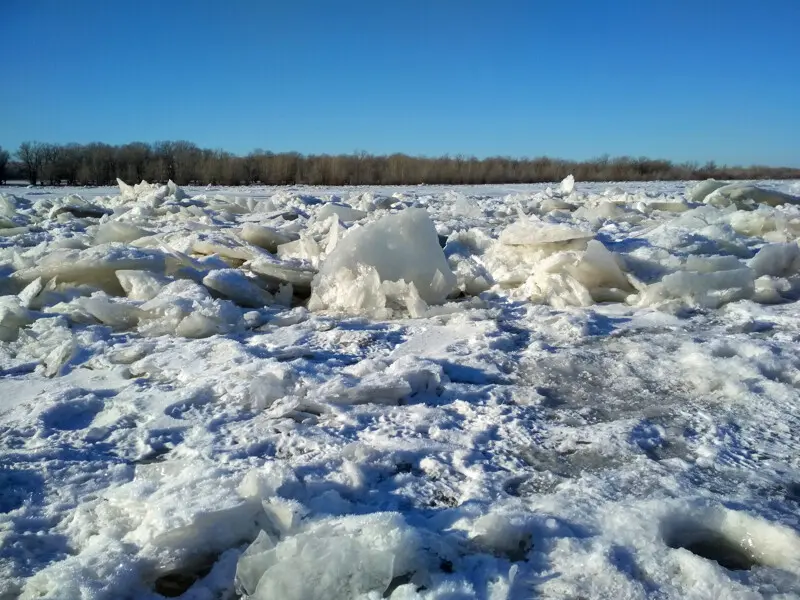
{"points": [[99, 165], [132, 159], [250, 168], [49, 172], [187, 157], [31, 155], [162, 167], [70, 159], [4, 156]]}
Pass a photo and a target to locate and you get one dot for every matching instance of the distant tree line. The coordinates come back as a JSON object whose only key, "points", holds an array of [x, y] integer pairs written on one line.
{"points": [[186, 163]]}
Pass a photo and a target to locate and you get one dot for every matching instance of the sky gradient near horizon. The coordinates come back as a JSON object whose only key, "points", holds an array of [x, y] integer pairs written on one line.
{"points": [[677, 79]]}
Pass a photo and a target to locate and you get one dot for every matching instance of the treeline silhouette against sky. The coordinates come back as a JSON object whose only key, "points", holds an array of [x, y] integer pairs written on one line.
{"points": [[186, 163]]}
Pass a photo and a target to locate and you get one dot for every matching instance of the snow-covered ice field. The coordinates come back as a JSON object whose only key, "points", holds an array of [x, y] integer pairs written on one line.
{"points": [[582, 391]]}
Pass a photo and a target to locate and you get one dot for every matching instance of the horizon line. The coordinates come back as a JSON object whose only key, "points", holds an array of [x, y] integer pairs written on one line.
{"points": [[260, 151]]}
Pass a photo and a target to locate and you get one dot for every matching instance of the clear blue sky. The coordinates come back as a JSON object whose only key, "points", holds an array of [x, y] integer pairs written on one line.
{"points": [[677, 79]]}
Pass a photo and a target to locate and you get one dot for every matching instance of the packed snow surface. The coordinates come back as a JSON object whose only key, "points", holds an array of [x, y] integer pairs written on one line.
{"points": [[564, 391]]}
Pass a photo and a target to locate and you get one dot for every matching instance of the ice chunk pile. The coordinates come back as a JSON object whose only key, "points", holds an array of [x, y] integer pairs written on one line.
{"points": [[540, 235], [117, 231], [127, 273], [555, 264], [699, 191], [264, 237], [587, 372], [302, 556], [705, 283], [13, 316], [96, 266], [150, 192], [740, 194], [343, 212], [526, 243], [746, 196], [393, 263], [337, 559], [280, 250], [187, 309]]}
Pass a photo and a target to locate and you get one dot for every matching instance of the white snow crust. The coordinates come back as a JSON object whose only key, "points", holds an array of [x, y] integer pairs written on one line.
{"points": [[504, 392]]}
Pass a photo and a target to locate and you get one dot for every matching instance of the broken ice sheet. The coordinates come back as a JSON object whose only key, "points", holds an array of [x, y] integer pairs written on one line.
{"points": [[557, 390]]}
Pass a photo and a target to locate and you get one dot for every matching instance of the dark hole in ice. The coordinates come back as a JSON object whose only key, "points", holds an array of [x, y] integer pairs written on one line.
{"points": [[550, 397], [176, 583], [83, 212], [173, 585], [157, 455], [442, 499], [396, 583], [520, 553], [715, 546], [404, 467], [793, 492], [513, 485]]}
